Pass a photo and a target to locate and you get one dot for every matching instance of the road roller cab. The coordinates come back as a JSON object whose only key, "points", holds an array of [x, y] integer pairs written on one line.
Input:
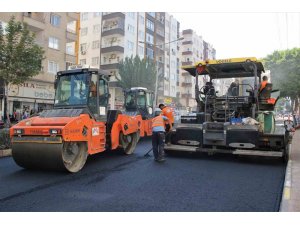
{"points": [[139, 101], [79, 125]]}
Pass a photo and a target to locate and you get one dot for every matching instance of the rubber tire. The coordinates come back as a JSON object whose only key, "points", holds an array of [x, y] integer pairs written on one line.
{"points": [[79, 160], [286, 153], [129, 148]]}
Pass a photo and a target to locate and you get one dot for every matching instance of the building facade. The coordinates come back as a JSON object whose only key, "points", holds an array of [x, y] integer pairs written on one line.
{"points": [[56, 34], [107, 38]]}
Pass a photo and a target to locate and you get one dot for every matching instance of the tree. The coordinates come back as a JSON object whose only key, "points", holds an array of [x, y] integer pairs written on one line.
{"points": [[137, 72], [285, 73], [20, 56]]}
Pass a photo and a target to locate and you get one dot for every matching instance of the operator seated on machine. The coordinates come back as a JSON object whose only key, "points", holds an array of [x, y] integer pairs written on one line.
{"points": [[233, 90], [209, 89], [168, 112], [158, 135]]}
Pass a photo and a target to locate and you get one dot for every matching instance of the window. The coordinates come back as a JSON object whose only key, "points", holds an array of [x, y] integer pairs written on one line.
{"points": [[130, 28], [149, 38], [68, 64], [70, 50], [55, 20], [4, 25], [130, 45], [96, 44], [141, 35], [84, 16], [141, 50], [83, 48], [150, 25], [97, 14], [95, 61], [97, 28], [149, 53], [52, 67], [152, 14], [82, 62], [141, 19], [84, 31], [53, 43], [131, 14], [173, 89]]}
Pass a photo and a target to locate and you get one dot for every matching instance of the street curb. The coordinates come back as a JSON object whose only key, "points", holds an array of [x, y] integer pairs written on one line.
{"points": [[286, 193], [5, 153]]}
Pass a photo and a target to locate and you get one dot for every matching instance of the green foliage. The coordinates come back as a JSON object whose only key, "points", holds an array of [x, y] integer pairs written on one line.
{"points": [[136, 72], [20, 56], [285, 71]]}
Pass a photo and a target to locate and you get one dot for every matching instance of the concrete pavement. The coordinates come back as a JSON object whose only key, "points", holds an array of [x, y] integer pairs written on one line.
{"points": [[291, 192]]}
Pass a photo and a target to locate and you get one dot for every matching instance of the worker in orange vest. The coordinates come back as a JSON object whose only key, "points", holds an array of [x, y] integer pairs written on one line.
{"points": [[158, 135], [263, 83], [167, 112]]}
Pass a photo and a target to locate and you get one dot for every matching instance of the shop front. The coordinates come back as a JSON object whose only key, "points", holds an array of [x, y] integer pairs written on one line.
{"points": [[30, 97]]}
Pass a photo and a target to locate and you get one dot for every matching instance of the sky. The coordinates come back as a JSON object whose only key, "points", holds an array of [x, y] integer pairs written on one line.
{"points": [[244, 34]]}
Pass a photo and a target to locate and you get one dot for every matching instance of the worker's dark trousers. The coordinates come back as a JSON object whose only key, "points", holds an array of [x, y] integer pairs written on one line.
{"points": [[158, 141], [168, 127]]}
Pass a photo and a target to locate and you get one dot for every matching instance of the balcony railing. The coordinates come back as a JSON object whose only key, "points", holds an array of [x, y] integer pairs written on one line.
{"points": [[187, 63], [187, 53], [186, 95], [110, 15], [35, 21]]}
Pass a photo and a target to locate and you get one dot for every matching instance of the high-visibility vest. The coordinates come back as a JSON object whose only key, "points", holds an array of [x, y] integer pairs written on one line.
{"points": [[168, 112], [158, 122], [263, 84]]}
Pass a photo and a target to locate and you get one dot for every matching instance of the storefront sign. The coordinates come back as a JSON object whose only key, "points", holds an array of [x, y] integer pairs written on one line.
{"points": [[32, 89], [167, 100]]}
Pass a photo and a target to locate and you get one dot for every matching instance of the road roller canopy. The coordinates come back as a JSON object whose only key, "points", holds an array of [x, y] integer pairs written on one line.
{"points": [[82, 88], [226, 68], [139, 99]]}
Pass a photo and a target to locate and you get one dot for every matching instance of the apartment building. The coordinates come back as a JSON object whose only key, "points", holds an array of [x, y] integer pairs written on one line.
{"points": [[56, 33], [170, 80], [108, 37], [191, 51]]}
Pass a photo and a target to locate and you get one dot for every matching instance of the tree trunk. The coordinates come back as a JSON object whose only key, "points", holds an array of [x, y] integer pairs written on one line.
{"points": [[6, 105]]}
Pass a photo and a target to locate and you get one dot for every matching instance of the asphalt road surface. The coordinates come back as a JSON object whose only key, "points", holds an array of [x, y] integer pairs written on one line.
{"points": [[114, 182]]}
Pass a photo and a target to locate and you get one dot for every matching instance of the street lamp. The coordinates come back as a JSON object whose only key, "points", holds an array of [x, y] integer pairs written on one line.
{"points": [[163, 48]]}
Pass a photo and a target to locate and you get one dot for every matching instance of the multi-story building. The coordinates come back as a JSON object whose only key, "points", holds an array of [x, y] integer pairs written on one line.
{"points": [[56, 33], [171, 70], [192, 51], [129, 34]]}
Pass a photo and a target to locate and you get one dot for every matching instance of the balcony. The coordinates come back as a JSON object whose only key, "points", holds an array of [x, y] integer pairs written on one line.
{"points": [[189, 31], [187, 42], [186, 84], [187, 63], [187, 53], [108, 15], [113, 30], [70, 58], [71, 36], [72, 16], [112, 48], [185, 74], [109, 66], [35, 21], [186, 95]]}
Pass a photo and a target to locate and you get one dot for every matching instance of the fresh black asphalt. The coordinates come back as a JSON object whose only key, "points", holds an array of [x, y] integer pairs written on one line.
{"points": [[115, 182]]}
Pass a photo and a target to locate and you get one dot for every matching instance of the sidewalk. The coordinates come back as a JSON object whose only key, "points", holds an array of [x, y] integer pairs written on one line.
{"points": [[4, 153], [291, 192]]}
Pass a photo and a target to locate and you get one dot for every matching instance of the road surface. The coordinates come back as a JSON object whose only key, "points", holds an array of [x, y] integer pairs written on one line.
{"points": [[114, 182]]}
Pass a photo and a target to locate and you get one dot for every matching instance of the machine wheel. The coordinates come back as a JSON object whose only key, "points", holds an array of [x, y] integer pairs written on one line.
{"points": [[74, 156], [129, 142]]}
